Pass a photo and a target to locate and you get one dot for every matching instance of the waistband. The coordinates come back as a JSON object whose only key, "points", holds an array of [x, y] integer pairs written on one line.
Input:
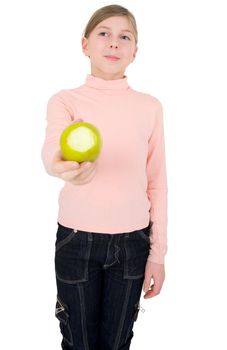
{"points": [[100, 234]]}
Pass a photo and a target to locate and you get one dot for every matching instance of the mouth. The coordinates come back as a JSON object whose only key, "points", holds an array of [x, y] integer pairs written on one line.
{"points": [[112, 58]]}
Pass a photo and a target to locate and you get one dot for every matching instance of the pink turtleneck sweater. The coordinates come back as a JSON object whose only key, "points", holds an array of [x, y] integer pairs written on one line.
{"points": [[130, 186]]}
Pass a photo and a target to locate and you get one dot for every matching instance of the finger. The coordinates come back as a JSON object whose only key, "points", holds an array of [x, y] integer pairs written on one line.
{"points": [[87, 165], [78, 120], [61, 166], [69, 175], [155, 290], [146, 286], [86, 171], [57, 156], [79, 174], [64, 166], [85, 179]]}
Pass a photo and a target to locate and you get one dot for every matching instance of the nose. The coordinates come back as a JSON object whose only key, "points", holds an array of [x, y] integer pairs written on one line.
{"points": [[113, 41], [114, 45]]}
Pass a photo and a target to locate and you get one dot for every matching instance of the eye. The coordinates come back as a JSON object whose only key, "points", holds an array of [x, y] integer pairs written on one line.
{"points": [[102, 33], [125, 36]]}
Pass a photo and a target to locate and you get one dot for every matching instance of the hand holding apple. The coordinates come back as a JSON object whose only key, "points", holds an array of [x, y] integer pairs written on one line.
{"points": [[80, 142], [72, 171]]}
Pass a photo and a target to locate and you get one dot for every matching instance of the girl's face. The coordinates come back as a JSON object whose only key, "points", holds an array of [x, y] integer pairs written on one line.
{"points": [[111, 37]]}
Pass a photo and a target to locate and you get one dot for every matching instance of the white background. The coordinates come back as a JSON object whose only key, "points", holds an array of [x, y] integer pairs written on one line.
{"points": [[182, 61]]}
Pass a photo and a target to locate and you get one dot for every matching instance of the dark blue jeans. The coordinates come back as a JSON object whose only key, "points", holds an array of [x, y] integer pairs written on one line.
{"points": [[99, 283]]}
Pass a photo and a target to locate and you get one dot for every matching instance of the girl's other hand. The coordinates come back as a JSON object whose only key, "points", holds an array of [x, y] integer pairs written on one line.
{"points": [[157, 273]]}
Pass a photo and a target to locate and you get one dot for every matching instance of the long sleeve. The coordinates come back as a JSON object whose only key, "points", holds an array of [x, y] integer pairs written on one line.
{"points": [[58, 117], [157, 189]]}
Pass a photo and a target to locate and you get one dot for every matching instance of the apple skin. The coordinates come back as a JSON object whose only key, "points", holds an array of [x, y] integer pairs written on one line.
{"points": [[81, 142]]}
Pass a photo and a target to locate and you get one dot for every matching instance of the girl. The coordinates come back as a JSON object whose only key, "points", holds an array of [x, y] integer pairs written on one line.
{"points": [[111, 236]]}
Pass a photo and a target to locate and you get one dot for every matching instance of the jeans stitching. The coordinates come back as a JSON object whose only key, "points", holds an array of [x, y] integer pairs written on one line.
{"points": [[85, 277], [64, 241], [144, 236], [83, 317], [134, 318], [63, 323], [123, 314], [126, 267]]}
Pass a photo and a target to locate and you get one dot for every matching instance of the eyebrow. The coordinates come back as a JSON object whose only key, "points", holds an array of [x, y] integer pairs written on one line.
{"points": [[123, 30]]}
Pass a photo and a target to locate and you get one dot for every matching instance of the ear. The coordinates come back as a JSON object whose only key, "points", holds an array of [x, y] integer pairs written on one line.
{"points": [[84, 43], [134, 53]]}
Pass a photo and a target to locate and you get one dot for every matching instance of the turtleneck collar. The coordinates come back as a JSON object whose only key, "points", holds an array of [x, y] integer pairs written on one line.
{"points": [[102, 84]]}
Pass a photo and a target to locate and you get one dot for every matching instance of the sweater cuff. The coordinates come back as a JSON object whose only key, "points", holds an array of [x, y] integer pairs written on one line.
{"points": [[156, 259], [157, 252]]}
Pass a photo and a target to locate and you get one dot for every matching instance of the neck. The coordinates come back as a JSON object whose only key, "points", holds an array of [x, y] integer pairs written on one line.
{"points": [[107, 76]]}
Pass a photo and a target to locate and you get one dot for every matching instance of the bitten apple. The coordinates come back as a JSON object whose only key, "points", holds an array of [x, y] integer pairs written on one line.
{"points": [[81, 142]]}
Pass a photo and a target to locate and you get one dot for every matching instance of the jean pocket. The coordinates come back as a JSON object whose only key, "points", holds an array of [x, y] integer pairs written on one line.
{"points": [[145, 234], [136, 249], [62, 314], [72, 256], [64, 236]]}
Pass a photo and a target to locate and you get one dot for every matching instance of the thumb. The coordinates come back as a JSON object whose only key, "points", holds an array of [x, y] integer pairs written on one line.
{"points": [[146, 285], [78, 120]]}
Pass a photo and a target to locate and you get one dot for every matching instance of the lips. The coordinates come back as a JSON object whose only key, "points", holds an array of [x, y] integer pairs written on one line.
{"points": [[112, 58]]}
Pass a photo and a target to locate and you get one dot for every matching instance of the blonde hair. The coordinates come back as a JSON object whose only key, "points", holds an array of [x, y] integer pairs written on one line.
{"points": [[110, 11]]}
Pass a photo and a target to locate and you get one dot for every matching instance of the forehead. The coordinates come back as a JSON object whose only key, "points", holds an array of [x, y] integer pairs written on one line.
{"points": [[121, 23]]}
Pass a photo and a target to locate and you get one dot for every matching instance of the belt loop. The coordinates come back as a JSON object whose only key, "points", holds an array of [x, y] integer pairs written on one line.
{"points": [[90, 236]]}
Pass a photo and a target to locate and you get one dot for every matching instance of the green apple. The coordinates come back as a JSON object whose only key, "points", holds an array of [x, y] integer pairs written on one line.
{"points": [[81, 142]]}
